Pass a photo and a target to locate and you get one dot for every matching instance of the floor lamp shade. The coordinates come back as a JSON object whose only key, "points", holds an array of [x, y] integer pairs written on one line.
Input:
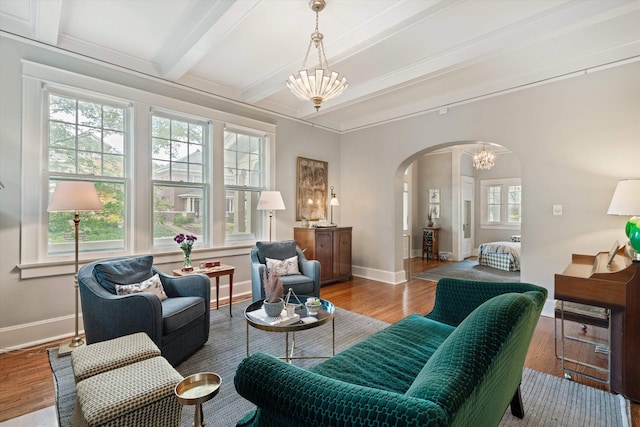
{"points": [[271, 201], [626, 201], [71, 196], [74, 196]]}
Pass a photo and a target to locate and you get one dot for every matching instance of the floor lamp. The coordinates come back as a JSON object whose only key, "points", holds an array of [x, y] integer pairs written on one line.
{"points": [[74, 196], [271, 201]]}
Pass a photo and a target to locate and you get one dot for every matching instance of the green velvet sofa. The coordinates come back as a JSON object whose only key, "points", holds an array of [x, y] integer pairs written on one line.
{"points": [[461, 365]]}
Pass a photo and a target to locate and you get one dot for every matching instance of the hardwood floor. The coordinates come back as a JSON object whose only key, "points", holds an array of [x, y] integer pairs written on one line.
{"points": [[26, 383]]}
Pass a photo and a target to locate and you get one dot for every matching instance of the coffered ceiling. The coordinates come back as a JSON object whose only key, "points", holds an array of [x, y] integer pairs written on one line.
{"points": [[401, 57]]}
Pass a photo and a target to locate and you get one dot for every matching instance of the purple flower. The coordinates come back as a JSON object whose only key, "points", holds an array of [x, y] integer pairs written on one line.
{"points": [[179, 238]]}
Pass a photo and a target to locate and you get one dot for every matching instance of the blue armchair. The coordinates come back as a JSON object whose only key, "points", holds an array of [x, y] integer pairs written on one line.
{"points": [[178, 325], [306, 283]]}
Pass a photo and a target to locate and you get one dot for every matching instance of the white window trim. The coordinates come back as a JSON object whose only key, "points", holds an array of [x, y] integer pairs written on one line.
{"points": [[33, 259], [503, 224]]}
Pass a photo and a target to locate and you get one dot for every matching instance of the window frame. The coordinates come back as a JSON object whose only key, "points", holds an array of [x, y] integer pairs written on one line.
{"points": [[504, 184], [34, 261]]}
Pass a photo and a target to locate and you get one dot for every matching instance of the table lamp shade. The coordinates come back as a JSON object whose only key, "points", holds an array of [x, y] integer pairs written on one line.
{"points": [[74, 196], [270, 200], [626, 201], [334, 202]]}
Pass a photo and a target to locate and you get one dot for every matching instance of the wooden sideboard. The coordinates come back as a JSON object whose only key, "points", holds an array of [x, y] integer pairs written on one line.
{"points": [[331, 246], [588, 280]]}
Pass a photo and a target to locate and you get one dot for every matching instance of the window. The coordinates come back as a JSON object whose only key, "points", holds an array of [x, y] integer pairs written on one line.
{"points": [[501, 203], [244, 178], [86, 142], [179, 181], [161, 167]]}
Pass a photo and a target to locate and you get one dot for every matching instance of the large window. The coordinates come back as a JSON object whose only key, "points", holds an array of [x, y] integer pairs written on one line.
{"points": [[179, 180], [161, 167], [501, 203], [244, 178], [86, 142]]}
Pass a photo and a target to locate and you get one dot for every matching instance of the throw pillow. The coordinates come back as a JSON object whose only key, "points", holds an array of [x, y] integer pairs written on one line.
{"points": [[283, 267], [153, 285]]}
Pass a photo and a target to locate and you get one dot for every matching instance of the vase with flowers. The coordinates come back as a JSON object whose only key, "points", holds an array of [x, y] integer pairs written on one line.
{"points": [[273, 291], [186, 244]]}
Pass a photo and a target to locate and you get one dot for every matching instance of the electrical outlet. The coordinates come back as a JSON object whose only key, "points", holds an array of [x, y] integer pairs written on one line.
{"points": [[557, 210]]}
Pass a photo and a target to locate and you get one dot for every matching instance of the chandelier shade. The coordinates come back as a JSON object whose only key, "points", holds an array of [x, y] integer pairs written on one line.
{"points": [[320, 84], [484, 159]]}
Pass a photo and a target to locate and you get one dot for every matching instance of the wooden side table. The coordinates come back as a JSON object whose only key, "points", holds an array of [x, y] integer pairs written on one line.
{"points": [[221, 270]]}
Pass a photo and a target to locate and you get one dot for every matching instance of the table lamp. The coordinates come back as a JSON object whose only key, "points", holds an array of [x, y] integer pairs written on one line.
{"points": [[74, 196], [626, 201], [271, 201]]}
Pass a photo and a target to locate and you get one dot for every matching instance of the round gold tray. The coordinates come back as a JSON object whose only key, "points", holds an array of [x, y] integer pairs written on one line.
{"points": [[198, 388]]}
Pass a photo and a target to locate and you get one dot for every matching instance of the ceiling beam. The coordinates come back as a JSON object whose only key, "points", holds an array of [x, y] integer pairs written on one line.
{"points": [[47, 26], [220, 18]]}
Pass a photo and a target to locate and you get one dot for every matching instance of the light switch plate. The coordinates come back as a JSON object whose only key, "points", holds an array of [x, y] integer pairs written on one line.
{"points": [[557, 210]]}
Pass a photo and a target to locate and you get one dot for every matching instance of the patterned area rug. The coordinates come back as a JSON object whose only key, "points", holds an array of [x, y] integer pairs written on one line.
{"points": [[548, 401], [469, 270]]}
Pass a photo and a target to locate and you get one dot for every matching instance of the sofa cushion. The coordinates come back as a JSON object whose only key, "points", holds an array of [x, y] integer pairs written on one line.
{"points": [[302, 285], [391, 359], [180, 311], [123, 271], [276, 250]]}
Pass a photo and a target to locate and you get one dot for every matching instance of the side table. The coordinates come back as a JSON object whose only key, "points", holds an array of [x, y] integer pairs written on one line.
{"points": [[221, 270]]}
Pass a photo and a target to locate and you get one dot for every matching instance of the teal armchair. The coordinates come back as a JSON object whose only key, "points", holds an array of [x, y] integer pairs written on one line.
{"points": [[306, 283]]}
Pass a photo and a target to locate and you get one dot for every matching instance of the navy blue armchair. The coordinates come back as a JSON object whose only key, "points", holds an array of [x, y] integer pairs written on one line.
{"points": [[307, 283], [178, 325]]}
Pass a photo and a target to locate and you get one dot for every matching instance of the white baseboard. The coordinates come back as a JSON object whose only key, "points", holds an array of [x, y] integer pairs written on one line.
{"points": [[380, 275]]}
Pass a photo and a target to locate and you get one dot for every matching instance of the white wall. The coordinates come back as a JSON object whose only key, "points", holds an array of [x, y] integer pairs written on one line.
{"points": [[37, 310], [575, 139]]}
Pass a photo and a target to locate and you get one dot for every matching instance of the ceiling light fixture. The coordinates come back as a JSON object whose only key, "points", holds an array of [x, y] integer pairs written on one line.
{"points": [[320, 84], [484, 159]]}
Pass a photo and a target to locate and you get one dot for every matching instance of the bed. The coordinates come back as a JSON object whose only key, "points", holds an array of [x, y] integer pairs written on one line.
{"points": [[501, 255]]}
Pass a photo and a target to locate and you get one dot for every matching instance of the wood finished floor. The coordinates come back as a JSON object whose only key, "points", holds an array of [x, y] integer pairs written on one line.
{"points": [[26, 383]]}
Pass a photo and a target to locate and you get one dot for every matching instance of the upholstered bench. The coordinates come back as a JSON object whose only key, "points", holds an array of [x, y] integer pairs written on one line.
{"points": [[139, 394], [124, 382], [112, 354]]}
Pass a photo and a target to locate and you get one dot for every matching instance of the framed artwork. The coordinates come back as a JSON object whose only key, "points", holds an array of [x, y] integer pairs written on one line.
{"points": [[311, 189], [434, 209], [434, 195]]}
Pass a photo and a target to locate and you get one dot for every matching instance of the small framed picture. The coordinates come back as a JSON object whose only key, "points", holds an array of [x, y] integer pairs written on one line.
{"points": [[434, 195], [434, 209]]}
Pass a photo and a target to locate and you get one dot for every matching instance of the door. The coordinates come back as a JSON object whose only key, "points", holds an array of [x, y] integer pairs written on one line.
{"points": [[467, 226]]}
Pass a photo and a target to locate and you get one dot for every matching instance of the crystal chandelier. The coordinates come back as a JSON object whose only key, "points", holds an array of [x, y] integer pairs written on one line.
{"points": [[320, 84], [484, 159]]}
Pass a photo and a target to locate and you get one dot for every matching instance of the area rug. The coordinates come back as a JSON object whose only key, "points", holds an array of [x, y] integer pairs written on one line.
{"points": [[468, 270], [548, 401]]}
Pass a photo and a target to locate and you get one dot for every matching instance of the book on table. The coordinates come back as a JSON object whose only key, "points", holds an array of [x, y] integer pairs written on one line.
{"points": [[261, 316]]}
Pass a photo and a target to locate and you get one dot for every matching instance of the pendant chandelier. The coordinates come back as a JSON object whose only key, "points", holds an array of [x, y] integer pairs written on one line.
{"points": [[484, 159], [320, 84]]}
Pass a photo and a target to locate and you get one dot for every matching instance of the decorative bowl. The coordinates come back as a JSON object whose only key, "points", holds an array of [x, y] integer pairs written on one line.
{"points": [[313, 305]]}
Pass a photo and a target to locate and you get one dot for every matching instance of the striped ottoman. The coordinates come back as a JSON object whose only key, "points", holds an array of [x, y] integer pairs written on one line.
{"points": [[104, 356], [138, 394]]}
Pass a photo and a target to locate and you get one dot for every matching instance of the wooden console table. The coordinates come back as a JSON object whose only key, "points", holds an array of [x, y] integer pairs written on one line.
{"points": [[588, 280], [221, 270]]}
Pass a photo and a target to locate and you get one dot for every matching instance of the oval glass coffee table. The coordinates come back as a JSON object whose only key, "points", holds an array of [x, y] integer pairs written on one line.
{"points": [[324, 315]]}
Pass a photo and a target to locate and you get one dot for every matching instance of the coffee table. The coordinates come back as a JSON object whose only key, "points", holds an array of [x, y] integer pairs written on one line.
{"points": [[325, 315]]}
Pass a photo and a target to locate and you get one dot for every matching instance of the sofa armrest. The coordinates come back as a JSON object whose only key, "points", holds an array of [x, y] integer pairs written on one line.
{"points": [[456, 298], [288, 395]]}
